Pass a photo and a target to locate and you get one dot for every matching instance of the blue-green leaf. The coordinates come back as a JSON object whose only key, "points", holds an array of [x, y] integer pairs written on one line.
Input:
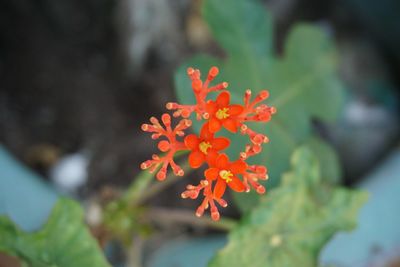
{"points": [[64, 241], [293, 222]]}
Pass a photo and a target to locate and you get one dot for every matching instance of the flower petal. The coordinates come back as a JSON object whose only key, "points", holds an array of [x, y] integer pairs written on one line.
{"points": [[231, 125], [238, 166], [220, 143], [211, 107], [205, 133], [211, 173], [236, 184], [212, 157], [219, 188], [214, 125], [222, 162], [223, 99], [235, 110], [196, 159], [192, 142]]}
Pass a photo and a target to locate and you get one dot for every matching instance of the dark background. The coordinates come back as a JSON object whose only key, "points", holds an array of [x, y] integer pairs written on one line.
{"points": [[83, 75]]}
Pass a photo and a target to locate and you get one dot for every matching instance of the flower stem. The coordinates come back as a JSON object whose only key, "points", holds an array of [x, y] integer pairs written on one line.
{"points": [[139, 188], [157, 187], [173, 216]]}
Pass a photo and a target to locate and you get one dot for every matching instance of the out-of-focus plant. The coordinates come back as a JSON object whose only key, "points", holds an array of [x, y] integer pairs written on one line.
{"points": [[302, 82], [294, 221], [64, 241]]}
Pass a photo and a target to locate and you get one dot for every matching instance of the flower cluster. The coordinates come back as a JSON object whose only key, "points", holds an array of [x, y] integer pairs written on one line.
{"points": [[206, 148]]}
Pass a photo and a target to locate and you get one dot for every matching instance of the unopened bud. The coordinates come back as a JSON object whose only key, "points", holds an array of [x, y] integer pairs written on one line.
{"points": [[161, 175]]}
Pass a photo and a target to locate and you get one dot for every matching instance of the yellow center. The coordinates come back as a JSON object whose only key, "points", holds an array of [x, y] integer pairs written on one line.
{"points": [[222, 113], [204, 146], [226, 175]]}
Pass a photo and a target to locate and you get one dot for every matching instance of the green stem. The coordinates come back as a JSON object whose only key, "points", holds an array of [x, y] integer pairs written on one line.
{"points": [[141, 184], [135, 251], [155, 188], [138, 186]]}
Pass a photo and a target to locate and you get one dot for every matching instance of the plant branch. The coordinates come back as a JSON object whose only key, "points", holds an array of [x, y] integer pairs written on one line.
{"points": [[157, 187], [141, 185], [135, 252], [173, 216]]}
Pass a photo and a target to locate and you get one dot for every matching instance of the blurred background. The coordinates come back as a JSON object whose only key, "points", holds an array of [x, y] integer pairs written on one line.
{"points": [[79, 77]]}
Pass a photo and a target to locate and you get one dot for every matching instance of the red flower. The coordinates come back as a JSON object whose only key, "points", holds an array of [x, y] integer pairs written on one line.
{"points": [[205, 147], [201, 90], [226, 174], [223, 114]]}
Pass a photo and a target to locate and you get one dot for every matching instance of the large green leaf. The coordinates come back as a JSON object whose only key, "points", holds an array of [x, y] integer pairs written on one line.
{"points": [[302, 83], [293, 222], [64, 241], [328, 160]]}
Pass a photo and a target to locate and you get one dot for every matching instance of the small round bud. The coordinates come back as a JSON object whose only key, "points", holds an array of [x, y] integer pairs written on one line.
{"points": [[199, 211], [215, 215], [166, 118], [204, 182], [144, 165], [263, 94], [164, 145], [257, 149], [185, 113], [161, 175], [258, 139], [190, 71], [145, 127], [261, 169], [213, 71], [153, 120], [223, 203], [260, 189], [169, 105]]}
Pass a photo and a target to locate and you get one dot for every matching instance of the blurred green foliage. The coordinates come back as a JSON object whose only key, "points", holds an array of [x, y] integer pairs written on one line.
{"points": [[302, 82], [126, 216], [64, 241], [294, 221], [124, 220]]}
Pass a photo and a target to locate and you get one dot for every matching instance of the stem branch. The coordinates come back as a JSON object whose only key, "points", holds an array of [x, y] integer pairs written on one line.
{"points": [[157, 187], [172, 216]]}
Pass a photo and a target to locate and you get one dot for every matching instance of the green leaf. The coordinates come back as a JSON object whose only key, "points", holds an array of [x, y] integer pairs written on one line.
{"points": [[63, 241], [241, 36], [123, 220], [302, 82], [328, 160], [294, 221]]}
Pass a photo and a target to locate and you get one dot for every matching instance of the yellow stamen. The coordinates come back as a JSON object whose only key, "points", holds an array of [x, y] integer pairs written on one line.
{"points": [[222, 113], [204, 146], [226, 175]]}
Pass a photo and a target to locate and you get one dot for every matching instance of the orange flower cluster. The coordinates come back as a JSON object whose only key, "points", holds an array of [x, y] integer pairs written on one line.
{"points": [[206, 148]]}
